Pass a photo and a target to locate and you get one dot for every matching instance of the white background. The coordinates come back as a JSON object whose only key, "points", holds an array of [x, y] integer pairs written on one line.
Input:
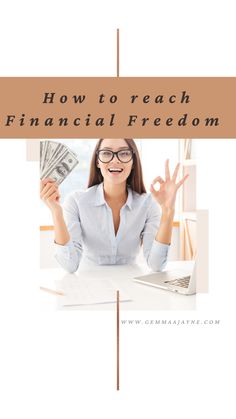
{"points": [[62, 365]]}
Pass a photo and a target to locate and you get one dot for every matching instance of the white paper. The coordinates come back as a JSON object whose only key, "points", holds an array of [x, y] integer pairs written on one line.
{"points": [[88, 292]]}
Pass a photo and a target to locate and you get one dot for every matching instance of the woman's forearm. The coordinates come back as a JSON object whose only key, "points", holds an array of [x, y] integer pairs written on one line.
{"points": [[165, 229], [61, 233]]}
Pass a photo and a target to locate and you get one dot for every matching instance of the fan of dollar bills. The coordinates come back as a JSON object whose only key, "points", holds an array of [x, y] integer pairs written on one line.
{"points": [[56, 161]]}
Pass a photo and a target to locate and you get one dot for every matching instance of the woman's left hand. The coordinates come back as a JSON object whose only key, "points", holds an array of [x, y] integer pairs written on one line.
{"points": [[166, 195]]}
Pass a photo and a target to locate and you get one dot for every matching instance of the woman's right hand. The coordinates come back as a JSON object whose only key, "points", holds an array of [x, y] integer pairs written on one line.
{"points": [[49, 193]]}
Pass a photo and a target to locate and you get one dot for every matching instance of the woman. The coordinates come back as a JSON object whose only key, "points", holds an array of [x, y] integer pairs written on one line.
{"points": [[110, 220]]}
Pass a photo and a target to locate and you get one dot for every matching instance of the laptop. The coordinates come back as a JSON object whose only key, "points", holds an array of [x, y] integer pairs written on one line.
{"points": [[181, 280]]}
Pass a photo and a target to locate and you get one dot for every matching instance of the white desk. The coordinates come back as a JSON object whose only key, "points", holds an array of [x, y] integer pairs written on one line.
{"points": [[143, 297]]}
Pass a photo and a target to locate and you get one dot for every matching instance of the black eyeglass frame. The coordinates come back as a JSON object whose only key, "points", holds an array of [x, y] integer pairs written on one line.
{"points": [[116, 153]]}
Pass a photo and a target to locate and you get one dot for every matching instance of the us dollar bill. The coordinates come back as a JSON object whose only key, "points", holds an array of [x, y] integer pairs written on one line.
{"points": [[47, 151], [56, 161]]}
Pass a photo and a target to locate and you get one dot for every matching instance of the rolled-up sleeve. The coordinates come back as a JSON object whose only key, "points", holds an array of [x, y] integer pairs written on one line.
{"points": [[69, 255], [155, 253]]}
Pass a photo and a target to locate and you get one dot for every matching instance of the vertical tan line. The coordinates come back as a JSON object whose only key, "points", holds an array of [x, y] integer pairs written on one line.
{"points": [[117, 292], [117, 340], [118, 53]]}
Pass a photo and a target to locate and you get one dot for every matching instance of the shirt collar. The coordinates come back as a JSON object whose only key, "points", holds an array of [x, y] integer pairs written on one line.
{"points": [[100, 200], [99, 196]]}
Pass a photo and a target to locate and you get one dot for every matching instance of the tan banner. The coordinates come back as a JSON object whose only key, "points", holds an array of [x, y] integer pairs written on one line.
{"points": [[117, 107]]}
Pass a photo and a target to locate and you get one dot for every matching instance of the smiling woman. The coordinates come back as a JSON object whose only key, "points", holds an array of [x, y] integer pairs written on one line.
{"points": [[126, 159], [109, 222]]}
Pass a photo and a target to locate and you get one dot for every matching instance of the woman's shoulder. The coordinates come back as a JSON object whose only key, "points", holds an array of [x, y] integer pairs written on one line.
{"points": [[144, 199], [145, 202], [81, 197]]}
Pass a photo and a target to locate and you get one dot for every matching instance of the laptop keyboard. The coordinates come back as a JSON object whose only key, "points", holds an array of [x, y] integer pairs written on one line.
{"points": [[180, 282]]}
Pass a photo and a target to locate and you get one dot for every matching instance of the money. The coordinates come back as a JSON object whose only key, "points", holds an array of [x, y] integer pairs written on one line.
{"points": [[56, 161]]}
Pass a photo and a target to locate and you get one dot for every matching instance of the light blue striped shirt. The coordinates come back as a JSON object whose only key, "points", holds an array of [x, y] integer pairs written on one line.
{"points": [[90, 224]]}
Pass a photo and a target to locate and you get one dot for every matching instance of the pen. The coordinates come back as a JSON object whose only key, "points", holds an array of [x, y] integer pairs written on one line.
{"points": [[54, 292]]}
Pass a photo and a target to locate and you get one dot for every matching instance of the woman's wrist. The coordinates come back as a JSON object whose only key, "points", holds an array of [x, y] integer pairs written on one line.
{"points": [[62, 236], [57, 213], [167, 212]]}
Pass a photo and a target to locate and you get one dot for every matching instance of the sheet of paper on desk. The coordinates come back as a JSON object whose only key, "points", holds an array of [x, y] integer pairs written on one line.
{"points": [[88, 291]]}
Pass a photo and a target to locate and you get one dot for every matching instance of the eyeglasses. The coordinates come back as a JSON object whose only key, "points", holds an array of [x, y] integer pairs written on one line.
{"points": [[124, 156]]}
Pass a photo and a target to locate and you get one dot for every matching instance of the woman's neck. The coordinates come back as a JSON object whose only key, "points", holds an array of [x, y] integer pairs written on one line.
{"points": [[115, 193]]}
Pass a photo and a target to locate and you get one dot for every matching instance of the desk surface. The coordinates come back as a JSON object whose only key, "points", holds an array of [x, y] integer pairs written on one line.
{"points": [[143, 297]]}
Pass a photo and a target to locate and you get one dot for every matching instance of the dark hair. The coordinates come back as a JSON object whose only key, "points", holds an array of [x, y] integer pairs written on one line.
{"points": [[135, 179]]}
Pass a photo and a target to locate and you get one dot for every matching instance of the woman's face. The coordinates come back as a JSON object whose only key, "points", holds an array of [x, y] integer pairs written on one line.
{"points": [[115, 171]]}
